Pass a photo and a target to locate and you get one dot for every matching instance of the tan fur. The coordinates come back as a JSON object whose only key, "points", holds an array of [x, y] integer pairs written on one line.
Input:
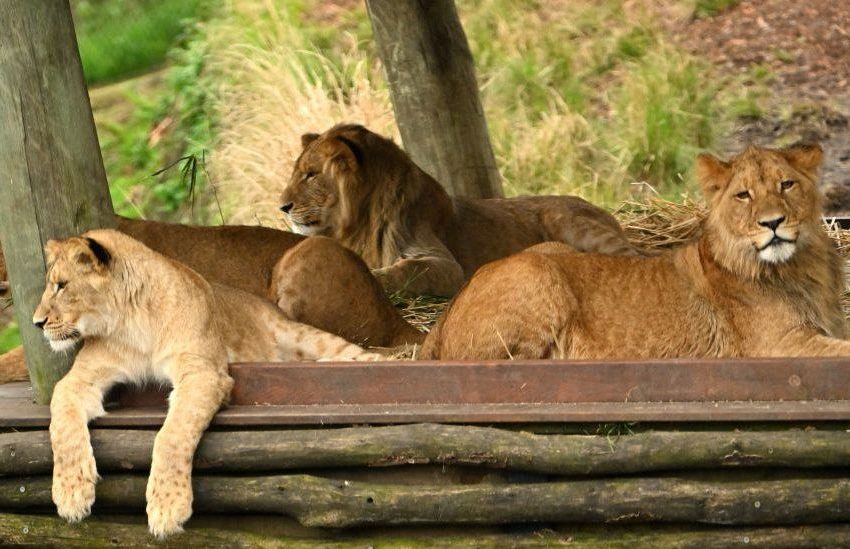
{"points": [[336, 290], [12, 366], [142, 317], [333, 289], [348, 285], [723, 295], [360, 188]]}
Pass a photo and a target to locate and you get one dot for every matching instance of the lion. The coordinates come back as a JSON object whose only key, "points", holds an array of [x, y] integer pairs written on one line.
{"points": [[763, 279], [363, 190], [315, 281], [142, 317], [335, 290]]}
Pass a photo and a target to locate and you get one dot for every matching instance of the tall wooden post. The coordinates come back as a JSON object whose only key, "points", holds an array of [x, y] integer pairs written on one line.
{"points": [[52, 181], [435, 94]]}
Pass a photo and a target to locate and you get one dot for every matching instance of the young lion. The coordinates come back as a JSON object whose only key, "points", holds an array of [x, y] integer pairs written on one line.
{"points": [[763, 279], [143, 316], [360, 188]]}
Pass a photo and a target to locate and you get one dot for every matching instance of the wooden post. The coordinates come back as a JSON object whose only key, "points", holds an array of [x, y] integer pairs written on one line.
{"points": [[52, 181], [435, 94]]}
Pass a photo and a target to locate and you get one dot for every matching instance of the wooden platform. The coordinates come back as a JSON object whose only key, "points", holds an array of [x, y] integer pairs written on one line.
{"points": [[727, 451], [498, 392]]}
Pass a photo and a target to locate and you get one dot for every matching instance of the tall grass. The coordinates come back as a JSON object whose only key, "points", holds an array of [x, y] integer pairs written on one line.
{"points": [[118, 38], [583, 96], [276, 86]]}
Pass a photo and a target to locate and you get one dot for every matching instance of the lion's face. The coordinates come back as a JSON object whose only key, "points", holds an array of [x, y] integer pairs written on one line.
{"points": [[764, 202], [318, 198], [75, 301]]}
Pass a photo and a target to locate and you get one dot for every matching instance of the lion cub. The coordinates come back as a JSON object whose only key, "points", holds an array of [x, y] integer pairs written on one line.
{"points": [[142, 317], [763, 279]]}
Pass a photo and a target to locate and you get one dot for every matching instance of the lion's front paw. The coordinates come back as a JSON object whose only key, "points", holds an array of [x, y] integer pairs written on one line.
{"points": [[169, 505], [74, 480]]}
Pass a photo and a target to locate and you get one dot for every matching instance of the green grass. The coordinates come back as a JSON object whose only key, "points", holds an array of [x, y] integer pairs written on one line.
{"points": [[152, 128], [582, 97], [664, 115], [118, 38], [588, 97], [10, 337], [710, 8]]}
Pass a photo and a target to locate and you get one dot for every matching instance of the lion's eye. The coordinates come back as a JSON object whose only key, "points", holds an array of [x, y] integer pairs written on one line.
{"points": [[61, 285], [743, 195], [310, 175], [787, 184]]}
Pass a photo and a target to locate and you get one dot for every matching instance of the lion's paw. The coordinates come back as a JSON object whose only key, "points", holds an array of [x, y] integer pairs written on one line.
{"points": [[169, 505], [73, 487]]}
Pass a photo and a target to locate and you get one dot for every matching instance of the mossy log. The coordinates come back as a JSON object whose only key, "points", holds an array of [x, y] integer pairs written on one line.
{"points": [[46, 531], [28, 453], [322, 502]]}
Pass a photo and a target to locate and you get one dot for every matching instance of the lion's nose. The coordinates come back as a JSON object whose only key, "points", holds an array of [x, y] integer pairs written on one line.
{"points": [[39, 322], [286, 207], [772, 224]]}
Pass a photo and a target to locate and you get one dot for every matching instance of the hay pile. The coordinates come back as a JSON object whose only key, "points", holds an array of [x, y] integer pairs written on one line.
{"points": [[652, 225]]}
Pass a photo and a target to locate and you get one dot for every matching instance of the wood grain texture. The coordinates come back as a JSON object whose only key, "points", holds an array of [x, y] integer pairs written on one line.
{"points": [[541, 381], [18, 412], [52, 181], [778, 499], [29, 453], [435, 93], [44, 531]]}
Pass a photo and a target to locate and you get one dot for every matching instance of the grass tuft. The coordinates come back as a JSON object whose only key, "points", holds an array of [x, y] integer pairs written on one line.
{"points": [[710, 8]]}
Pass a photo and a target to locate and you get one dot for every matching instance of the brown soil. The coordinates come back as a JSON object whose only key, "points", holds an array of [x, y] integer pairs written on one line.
{"points": [[805, 49]]}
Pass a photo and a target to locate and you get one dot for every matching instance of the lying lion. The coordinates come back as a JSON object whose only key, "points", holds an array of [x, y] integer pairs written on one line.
{"points": [[146, 317], [360, 188], [315, 280], [763, 279]]}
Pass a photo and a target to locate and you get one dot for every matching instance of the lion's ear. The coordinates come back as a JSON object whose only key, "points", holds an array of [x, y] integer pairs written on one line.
{"points": [[88, 252], [101, 254], [805, 157], [308, 138], [712, 174], [51, 250], [353, 150], [346, 156]]}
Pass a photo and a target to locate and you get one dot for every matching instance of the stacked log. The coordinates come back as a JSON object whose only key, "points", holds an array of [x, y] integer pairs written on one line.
{"points": [[341, 478]]}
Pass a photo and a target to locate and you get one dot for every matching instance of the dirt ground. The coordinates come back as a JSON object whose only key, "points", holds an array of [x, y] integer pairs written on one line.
{"points": [[802, 50]]}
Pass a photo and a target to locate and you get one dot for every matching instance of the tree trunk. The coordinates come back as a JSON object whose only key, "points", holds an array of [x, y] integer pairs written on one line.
{"points": [[52, 179], [331, 503], [28, 453], [435, 94]]}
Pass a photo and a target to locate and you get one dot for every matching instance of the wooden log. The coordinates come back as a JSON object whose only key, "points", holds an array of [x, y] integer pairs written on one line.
{"points": [[41, 531], [21, 414], [52, 181], [52, 531], [29, 453], [435, 94], [785, 499]]}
